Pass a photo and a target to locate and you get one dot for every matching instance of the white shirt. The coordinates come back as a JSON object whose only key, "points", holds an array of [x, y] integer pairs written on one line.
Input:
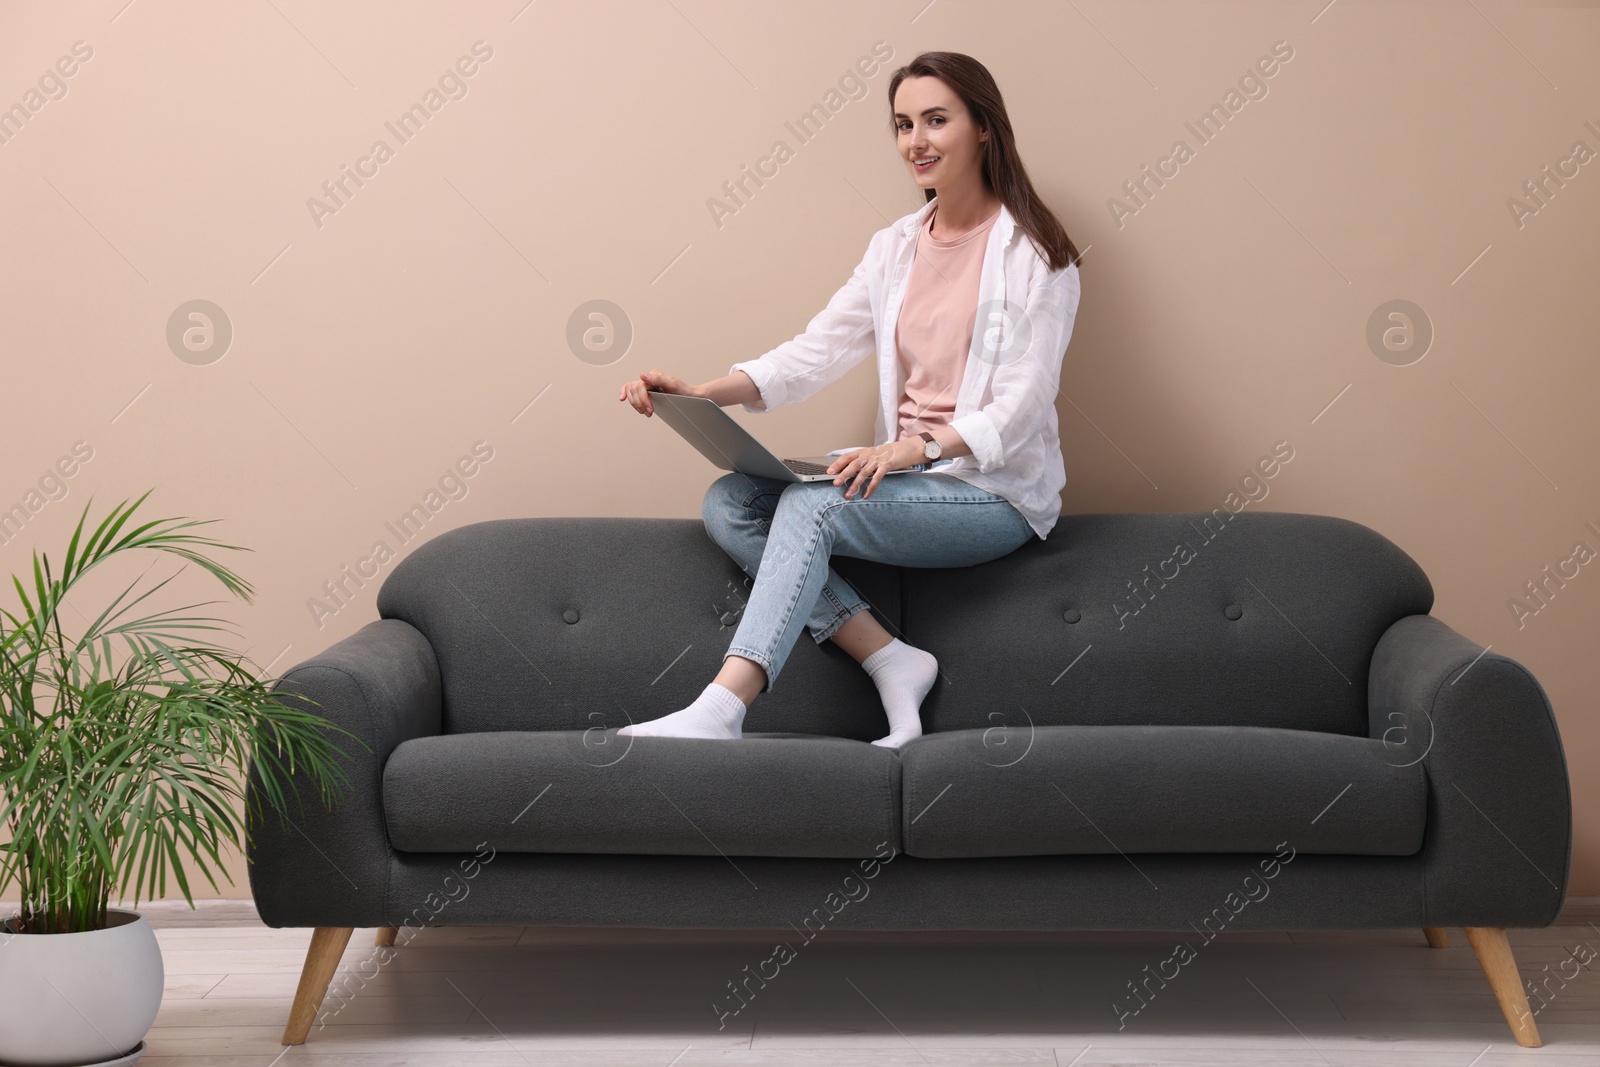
{"points": [[1005, 410]]}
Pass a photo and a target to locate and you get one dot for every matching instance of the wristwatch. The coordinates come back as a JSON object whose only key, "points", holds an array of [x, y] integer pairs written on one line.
{"points": [[932, 450]]}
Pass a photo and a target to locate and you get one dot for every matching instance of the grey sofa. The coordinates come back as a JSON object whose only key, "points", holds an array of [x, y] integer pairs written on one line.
{"points": [[1136, 720]]}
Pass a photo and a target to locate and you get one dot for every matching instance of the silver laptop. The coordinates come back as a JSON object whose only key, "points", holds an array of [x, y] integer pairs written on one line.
{"points": [[716, 436]]}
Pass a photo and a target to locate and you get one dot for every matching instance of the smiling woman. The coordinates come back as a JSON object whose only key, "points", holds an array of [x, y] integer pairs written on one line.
{"points": [[967, 305]]}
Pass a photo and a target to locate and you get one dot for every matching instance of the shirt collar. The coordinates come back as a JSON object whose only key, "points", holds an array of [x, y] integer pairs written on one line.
{"points": [[1005, 225]]}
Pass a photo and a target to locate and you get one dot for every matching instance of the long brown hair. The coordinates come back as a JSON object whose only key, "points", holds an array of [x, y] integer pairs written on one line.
{"points": [[1003, 172]]}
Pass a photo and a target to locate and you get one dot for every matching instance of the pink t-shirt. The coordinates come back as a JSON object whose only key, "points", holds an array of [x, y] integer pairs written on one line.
{"points": [[934, 330]]}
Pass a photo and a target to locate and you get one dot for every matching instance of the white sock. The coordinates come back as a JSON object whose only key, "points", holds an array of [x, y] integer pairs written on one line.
{"points": [[717, 713], [903, 674]]}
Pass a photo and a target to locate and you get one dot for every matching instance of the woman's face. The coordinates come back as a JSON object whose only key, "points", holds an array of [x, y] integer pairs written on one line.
{"points": [[933, 123]]}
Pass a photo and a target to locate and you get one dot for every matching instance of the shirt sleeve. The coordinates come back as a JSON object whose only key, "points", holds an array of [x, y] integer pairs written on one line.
{"points": [[838, 337], [1024, 386]]}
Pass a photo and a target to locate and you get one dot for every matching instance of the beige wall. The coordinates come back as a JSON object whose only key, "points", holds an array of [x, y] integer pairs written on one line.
{"points": [[374, 345]]}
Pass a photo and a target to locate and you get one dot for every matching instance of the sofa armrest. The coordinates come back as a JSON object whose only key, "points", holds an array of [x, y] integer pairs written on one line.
{"points": [[1498, 845], [316, 866]]}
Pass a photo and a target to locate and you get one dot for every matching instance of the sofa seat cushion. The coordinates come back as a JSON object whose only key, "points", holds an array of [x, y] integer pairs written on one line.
{"points": [[772, 794], [1066, 790]]}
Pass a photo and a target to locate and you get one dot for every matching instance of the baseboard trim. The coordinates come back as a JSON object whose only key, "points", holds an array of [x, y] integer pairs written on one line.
{"points": [[1577, 911]]}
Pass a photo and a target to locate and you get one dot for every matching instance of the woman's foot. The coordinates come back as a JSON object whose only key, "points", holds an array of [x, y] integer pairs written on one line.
{"points": [[903, 675], [717, 714]]}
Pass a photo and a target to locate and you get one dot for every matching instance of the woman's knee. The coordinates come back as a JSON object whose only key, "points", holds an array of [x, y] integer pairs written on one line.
{"points": [[810, 498], [808, 506]]}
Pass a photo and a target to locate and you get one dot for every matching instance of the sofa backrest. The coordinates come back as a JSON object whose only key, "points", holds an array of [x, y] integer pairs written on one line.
{"points": [[573, 623], [1255, 619], [1181, 619]]}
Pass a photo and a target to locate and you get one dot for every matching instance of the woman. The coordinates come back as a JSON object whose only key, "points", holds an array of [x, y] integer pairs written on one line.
{"points": [[968, 304]]}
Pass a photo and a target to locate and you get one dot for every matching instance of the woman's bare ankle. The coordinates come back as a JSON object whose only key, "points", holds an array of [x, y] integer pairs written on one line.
{"points": [[745, 678], [861, 636]]}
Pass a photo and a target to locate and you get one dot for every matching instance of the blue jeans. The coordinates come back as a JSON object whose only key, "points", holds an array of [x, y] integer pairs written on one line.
{"points": [[783, 533]]}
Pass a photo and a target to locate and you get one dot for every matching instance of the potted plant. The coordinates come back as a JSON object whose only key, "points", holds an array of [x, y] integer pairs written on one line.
{"points": [[121, 751]]}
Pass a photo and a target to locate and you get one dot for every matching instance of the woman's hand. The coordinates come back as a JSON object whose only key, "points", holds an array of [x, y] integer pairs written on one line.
{"points": [[637, 392], [874, 463]]}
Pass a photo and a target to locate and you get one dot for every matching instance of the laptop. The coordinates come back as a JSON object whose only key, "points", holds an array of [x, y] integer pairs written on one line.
{"points": [[716, 436]]}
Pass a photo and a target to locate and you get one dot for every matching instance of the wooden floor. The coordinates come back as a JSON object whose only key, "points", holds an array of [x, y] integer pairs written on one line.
{"points": [[515, 996]]}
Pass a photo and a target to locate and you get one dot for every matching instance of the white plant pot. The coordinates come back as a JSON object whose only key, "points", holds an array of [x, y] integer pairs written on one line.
{"points": [[71, 1000]]}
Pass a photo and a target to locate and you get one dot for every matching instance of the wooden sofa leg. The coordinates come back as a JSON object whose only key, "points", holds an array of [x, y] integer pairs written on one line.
{"points": [[1436, 936], [1494, 956], [322, 960], [385, 938]]}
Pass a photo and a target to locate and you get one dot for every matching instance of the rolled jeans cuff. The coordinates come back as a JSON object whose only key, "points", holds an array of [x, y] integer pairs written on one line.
{"points": [[840, 617], [758, 658]]}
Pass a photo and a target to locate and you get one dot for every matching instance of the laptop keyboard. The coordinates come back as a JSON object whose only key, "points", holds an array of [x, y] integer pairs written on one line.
{"points": [[804, 466]]}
